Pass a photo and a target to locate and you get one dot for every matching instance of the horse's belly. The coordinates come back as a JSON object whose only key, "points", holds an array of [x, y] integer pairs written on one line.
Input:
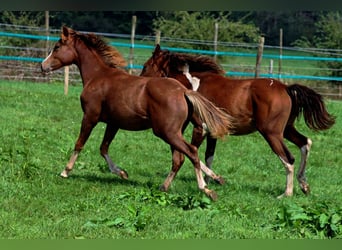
{"points": [[243, 127], [134, 124]]}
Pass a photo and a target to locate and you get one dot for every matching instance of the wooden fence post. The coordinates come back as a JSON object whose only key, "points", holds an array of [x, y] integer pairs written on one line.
{"points": [[271, 68], [131, 50], [215, 41], [157, 41], [66, 80], [280, 52], [47, 33], [259, 56]]}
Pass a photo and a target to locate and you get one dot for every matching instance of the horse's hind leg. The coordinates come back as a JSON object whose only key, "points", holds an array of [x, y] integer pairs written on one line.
{"points": [[179, 144], [304, 144], [177, 162], [279, 148], [107, 139], [86, 128]]}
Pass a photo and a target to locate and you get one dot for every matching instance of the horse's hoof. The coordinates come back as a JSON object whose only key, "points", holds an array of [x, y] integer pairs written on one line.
{"points": [[163, 188], [211, 194], [64, 174], [305, 188], [220, 180], [283, 195], [207, 179], [123, 174]]}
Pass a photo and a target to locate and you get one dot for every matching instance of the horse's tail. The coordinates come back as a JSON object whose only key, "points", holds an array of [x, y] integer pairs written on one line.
{"points": [[310, 103], [218, 122]]}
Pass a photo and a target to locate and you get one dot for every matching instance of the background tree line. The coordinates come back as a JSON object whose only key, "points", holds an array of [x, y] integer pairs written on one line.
{"points": [[314, 29], [309, 28]]}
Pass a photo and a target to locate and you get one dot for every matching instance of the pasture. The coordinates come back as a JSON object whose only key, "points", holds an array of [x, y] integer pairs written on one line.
{"points": [[39, 126]]}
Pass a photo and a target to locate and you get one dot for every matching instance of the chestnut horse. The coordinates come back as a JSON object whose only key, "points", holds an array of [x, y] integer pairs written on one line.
{"points": [[124, 101], [264, 105]]}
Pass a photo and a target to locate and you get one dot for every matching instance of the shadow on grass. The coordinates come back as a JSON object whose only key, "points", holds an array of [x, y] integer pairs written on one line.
{"points": [[105, 179]]}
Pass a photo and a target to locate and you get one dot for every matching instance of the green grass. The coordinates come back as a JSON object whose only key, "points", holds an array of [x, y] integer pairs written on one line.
{"points": [[38, 129]]}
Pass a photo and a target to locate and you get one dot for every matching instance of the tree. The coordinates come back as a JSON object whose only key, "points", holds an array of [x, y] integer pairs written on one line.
{"points": [[330, 37], [20, 19], [200, 26]]}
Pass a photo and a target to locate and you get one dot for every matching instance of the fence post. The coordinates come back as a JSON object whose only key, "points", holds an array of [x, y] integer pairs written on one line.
{"points": [[259, 56], [131, 50], [66, 80], [215, 41], [47, 33], [280, 52], [157, 41], [271, 68]]}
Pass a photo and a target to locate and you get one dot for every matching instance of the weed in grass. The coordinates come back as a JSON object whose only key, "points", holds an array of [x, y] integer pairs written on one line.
{"points": [[321, 220]]}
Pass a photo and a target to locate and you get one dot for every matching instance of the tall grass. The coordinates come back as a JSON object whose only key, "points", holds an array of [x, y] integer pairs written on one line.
{"points": [[38, 129]]}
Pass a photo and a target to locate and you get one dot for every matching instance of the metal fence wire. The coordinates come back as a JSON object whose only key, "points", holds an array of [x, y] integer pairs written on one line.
{"points": [[22, 49]]}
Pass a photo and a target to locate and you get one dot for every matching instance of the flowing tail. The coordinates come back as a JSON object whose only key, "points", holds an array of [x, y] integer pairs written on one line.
{"points": [[218, 122], [310, 103]]}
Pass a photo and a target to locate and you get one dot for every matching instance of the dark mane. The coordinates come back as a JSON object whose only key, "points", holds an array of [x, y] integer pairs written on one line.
{"points": [[197, 63], [109, 54]]}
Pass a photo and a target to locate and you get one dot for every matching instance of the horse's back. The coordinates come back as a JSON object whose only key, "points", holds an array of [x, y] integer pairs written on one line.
{"points": [[248, 100]]}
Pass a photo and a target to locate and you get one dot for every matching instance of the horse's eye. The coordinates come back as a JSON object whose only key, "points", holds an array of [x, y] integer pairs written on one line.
{"points": [[56, 47]]}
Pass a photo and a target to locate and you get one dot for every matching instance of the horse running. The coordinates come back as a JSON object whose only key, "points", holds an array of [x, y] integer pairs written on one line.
{"points": [[264, 105], [124, 101]]}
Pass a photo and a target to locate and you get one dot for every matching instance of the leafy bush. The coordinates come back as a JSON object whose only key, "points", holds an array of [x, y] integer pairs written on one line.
{"points": [[322, 220]]}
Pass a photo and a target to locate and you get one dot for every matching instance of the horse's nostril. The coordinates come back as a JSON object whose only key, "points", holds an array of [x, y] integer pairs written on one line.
{"points": [[44, 70]]}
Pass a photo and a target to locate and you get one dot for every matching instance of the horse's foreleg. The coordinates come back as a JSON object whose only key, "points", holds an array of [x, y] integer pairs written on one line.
{"points": [[107, 139], [201, 182], [210, 173], [197, 140], [86, 129], [209, 154]]}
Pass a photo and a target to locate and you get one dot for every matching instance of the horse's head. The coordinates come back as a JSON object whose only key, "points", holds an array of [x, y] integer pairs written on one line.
{"points": [[158, 64], [63, 53]]}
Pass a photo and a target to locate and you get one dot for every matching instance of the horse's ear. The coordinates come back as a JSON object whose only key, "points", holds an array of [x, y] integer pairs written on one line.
{"points": [[157, 49], [65, 33]]}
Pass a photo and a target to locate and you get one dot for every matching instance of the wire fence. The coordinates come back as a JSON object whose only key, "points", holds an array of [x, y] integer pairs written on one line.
{"points": [[22, 48]]}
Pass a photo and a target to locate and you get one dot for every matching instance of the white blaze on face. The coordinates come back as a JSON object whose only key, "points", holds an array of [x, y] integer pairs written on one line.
{"points": [[45, 65], [47, 57], [195, 82]]}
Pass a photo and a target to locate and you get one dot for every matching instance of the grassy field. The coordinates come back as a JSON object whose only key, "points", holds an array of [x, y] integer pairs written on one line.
{"points": [[38, 129]]}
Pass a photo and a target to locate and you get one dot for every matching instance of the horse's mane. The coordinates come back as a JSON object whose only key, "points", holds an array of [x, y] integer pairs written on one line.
{"points": [[110, 55], [197, 63]]}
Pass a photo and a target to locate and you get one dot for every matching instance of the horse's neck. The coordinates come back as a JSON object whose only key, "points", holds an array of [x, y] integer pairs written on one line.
{"points": [[90, 64]]}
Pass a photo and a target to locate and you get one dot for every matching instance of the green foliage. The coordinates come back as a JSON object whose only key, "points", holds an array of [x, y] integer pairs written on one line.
{"points": [[322, 219], [186, 202], [201, 26], [20, 18], [328, 36], [25, 18], [136, 220], [330, 31]]}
